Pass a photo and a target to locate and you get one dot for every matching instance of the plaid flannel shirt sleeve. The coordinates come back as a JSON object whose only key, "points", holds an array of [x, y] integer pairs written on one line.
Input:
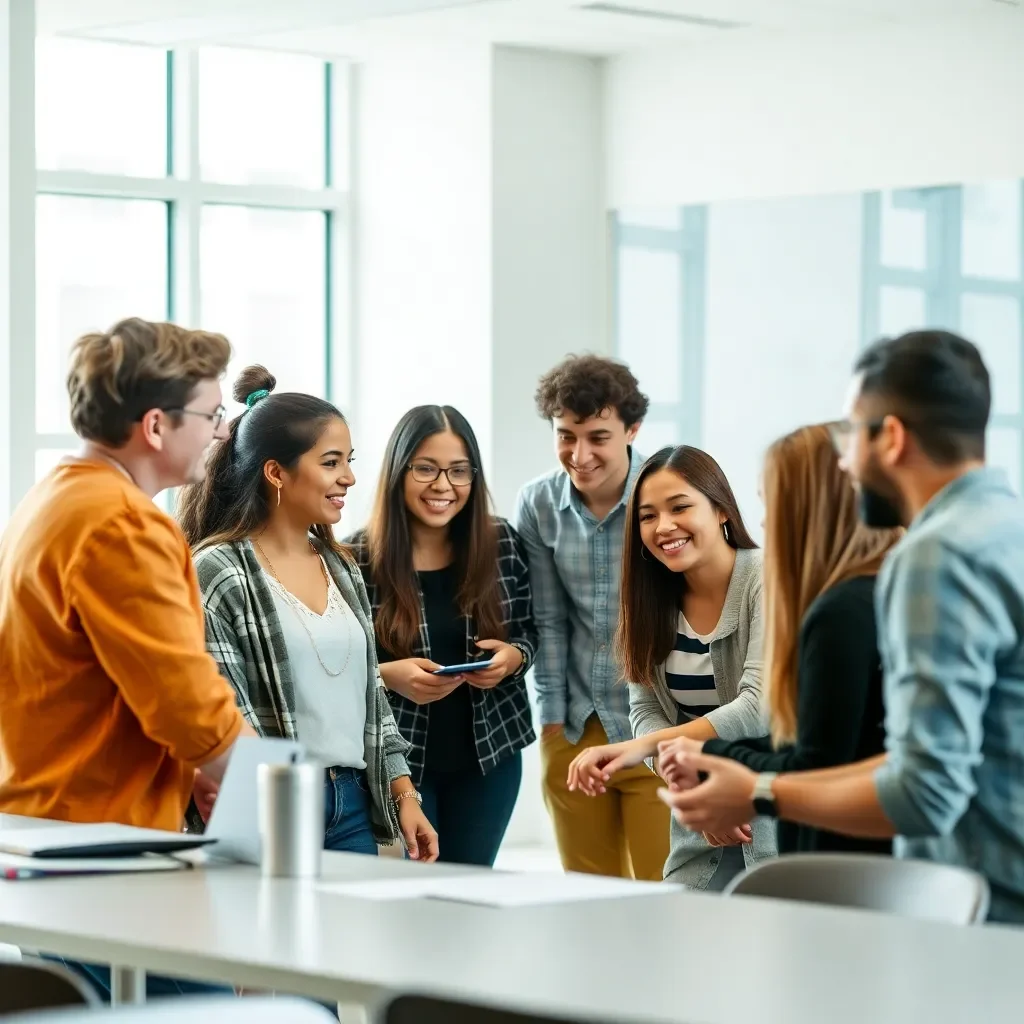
{"points": [[945, 622], [551, 613], [217, 585], [522, 631]]}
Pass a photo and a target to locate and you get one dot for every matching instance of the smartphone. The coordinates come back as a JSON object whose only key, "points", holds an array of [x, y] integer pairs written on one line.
{"points": [[457, 670]]}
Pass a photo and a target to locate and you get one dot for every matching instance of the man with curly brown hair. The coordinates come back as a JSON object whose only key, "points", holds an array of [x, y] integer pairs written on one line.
{"points": [[572, 521]]}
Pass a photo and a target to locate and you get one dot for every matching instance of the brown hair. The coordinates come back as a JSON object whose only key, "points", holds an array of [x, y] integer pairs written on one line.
{"points": [[652, 594], [584, 385], [117, 377], [813, 539], [473, 532], [233, 500]]}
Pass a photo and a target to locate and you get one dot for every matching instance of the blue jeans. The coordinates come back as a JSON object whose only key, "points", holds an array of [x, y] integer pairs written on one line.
{"points": [[471, 810], [347, 812], [157, 986]]}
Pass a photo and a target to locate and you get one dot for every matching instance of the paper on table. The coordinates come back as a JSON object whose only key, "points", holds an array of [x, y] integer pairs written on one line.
{"points": [[497, 889]]}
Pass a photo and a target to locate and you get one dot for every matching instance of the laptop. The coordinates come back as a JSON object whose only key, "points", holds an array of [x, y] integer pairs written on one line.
{"points": [[234, 821]]}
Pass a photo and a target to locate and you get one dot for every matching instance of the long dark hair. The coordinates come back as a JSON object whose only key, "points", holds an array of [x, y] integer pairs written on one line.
{"points": [[651, 593], [233, 501], [473, 533]]}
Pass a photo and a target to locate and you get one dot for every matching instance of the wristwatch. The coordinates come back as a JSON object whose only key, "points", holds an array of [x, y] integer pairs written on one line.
{"points": [[764, 800]]}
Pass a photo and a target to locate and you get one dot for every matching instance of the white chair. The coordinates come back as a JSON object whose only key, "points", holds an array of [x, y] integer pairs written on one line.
{"points": [[30, 984], [192, 1010], [910, 888]]}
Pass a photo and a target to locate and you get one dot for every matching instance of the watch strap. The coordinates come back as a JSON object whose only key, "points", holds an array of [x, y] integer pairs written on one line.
{"points": [[764, 800]]}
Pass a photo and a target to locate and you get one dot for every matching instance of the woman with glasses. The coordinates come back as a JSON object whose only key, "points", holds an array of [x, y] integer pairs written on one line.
{"points": [[448, 586], [287, 615]]}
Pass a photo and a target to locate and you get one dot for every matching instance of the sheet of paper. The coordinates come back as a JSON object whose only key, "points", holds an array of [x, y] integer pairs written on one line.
{"points": [[497, 889]]}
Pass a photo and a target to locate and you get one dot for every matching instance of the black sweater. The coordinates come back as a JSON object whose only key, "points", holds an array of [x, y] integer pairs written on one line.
{"points": [[840, 714]]}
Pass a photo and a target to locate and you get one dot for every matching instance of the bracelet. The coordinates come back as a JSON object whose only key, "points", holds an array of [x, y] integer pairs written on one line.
{"points": [[408, 794]]}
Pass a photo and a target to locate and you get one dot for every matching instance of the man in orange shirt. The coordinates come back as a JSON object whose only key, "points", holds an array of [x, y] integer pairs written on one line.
{"points": [[110, 707]]}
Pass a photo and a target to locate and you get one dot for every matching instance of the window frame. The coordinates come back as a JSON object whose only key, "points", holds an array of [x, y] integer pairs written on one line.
{"points": [[689, 242], [185, 192], [942, 279]]}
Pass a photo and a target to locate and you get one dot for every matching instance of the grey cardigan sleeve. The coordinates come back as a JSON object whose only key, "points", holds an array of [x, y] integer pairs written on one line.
{"points": [[743, 718], [646, 715]]}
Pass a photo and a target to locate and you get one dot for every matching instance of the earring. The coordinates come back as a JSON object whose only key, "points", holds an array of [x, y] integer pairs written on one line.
{"points": [[643, 552], [725, 530], [279, 495]]}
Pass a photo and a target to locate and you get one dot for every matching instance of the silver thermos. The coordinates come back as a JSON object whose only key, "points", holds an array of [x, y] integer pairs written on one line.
{"points": [[291, 817]]}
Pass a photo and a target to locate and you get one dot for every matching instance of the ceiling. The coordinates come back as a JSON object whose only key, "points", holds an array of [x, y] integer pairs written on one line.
{"points": [[353, 27]]}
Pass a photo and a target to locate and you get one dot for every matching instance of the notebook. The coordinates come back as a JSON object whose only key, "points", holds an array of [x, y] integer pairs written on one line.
{"points": [[94, 840], [14, 867]]}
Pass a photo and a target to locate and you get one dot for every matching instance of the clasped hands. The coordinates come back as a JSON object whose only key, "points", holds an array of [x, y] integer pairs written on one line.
{"points": [[719, 807]]}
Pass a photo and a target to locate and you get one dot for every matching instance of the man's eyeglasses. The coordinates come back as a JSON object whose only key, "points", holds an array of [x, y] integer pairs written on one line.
{"points": [[216, 417], [842, 431], [427, 473]]}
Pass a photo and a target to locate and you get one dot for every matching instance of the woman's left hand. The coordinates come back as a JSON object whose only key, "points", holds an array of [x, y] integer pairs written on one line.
{"points": [[419, 835], [507, 661]]}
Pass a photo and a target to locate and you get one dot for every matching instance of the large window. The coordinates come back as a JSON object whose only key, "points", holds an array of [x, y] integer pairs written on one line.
{"points": [[205, 186], [951, 257], [659, 317]]}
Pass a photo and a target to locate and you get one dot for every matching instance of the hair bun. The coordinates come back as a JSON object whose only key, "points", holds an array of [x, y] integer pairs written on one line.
{"points": [[251, 379]]}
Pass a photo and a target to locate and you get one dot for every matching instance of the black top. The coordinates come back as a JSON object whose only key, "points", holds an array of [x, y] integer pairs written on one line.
{"points": [[840, 712], [450, 743]]}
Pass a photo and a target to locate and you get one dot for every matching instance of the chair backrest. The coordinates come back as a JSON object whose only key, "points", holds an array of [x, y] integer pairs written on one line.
{"points": [[910, 888], [413, 1009], [193, 1010], [31, 984]]}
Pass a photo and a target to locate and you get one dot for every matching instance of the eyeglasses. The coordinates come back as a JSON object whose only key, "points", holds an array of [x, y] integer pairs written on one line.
{"points": [[216, 417], [841, 431], [427, 473]]}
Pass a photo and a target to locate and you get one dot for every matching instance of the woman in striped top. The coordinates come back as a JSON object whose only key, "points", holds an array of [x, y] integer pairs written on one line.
{"points": [[689, 642]]}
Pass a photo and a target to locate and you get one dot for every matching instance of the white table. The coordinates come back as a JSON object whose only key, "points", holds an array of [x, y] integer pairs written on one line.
{"points": [[647, 960]]}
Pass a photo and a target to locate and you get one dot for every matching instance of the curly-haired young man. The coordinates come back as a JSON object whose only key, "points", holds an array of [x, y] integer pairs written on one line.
{"points": [[572, 521]]}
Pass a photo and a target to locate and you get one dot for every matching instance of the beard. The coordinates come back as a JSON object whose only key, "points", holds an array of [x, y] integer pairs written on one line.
{"points": [[877, 510]]}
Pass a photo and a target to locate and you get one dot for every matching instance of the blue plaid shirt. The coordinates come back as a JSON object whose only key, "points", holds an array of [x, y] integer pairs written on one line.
{"points": [[575, 568], [950, 605]]}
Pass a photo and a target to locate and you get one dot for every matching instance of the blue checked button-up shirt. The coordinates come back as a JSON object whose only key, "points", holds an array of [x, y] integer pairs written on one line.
{"points": [[950, 606], [575, 568]]}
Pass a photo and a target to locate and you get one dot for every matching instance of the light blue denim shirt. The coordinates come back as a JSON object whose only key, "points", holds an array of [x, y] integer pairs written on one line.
{"points": [[950, 605], [575, 569]]}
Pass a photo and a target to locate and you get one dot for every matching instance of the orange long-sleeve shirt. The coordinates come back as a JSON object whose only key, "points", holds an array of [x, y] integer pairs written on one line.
{"points": [[108, 699]]}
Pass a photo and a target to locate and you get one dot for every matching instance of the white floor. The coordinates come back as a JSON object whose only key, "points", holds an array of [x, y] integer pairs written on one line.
{"points": [[528, 858]]}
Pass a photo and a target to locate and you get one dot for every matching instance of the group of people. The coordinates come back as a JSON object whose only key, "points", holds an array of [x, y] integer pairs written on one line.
{"points": [[864, 680]]}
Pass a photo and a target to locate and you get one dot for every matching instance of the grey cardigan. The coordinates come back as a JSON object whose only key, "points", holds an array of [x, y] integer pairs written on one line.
{"points": [[736, 659], [243, 633]]}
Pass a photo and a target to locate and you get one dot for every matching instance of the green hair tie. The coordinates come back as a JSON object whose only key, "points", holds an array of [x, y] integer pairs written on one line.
{"points": [[252, 399]]}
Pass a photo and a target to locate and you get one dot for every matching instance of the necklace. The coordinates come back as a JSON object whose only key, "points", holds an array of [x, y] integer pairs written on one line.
{"points": [[301, 611]]}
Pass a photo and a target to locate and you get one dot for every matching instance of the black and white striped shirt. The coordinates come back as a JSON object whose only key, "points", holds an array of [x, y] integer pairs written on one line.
{"points": [[689, 673]]}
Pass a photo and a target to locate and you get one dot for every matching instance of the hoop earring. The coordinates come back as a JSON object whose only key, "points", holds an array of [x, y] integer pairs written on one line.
{"points": [[643, 552]]}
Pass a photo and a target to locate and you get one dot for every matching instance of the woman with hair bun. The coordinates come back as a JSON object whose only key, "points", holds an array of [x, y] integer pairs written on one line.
{"points": [[287, 615]]}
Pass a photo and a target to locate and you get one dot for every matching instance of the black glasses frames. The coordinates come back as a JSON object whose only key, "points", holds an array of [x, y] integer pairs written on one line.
{"points": [[457, 476]]}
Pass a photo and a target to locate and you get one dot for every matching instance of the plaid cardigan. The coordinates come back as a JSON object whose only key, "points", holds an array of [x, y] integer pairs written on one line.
{"points": [[243, 633], [502, 720]]}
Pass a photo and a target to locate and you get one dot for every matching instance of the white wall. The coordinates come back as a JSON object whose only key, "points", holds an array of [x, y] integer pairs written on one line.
{"points": [[549, 234], [782, 326], [422, 295], [825, 114], [804, 115]]}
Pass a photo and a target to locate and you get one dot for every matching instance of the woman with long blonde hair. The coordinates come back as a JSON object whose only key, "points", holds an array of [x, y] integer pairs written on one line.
{"points": [[823, 675]]}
